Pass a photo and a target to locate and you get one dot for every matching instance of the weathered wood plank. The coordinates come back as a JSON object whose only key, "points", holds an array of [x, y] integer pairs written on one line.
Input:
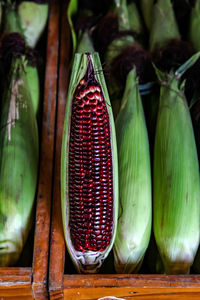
{"points": [[57, 245]]}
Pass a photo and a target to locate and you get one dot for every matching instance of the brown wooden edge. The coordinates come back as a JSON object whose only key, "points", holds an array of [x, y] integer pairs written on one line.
{"points": [[43, 210], [57, 244], [15, 283], [143, 287]]}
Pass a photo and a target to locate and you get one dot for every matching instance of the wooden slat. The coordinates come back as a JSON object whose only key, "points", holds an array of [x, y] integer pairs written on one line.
{"points": [[137, 280], [15, 282], [12, 275], [57, 245], [92, 287], [42, 230]]}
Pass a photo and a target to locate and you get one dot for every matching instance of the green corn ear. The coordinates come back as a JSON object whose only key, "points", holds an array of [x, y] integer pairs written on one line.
{"points": [[18, 165], [33, 18], [86, 260], [176, 177], [135, 211], [194, 26], [164, 26]]}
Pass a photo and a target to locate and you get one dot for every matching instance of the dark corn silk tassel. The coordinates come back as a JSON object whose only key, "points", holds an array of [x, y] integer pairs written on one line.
{"points": [[89, 174], [90, 168]]}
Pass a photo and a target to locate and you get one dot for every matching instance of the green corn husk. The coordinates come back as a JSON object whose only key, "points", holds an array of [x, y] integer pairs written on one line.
{"points": [[33, 19], [164, 26], [176, 177], [147, 7], [135, 22], [135, 211], [34, 86], [84, 43], [89, 261], [19, 153], [72, 10], [194, 26], [28, 18], [11, 19]]}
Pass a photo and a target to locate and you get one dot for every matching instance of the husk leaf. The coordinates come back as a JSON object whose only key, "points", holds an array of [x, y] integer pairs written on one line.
{"points": [[19, 152], [134, 222], [176, 180]]}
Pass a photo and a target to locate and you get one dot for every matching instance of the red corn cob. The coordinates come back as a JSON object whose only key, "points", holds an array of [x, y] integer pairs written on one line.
{"points": [[90, 168]]}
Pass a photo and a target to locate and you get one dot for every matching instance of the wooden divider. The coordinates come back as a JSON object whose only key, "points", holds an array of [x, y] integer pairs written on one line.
{"points": [[42, 231], [57, 245]]}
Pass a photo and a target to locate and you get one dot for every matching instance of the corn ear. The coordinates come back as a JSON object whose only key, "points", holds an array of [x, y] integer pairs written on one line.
{"points": [[164, 26], [135, 211], [87, 261], [194, 26], [176, 177], [18, 164], [33, 18]]}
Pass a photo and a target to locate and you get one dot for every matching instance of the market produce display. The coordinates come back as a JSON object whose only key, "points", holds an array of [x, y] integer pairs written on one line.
{"points": [[19, 136], [150, 61]]}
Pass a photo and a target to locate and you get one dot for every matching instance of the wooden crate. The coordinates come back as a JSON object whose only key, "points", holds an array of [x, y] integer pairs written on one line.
{"points": [[62, 284], [31, 282]]}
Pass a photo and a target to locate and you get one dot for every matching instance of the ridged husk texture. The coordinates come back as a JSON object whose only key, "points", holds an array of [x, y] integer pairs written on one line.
{"points": [[176, 177], [19, 152], [135, 211]]}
